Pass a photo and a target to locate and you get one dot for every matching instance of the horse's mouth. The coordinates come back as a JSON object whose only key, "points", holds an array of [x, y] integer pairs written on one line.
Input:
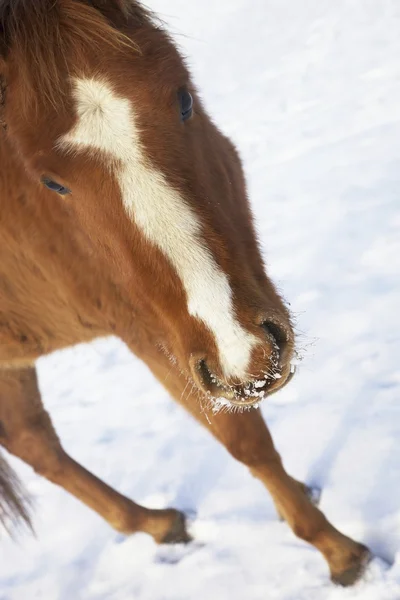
{"points": [[243, 395]]}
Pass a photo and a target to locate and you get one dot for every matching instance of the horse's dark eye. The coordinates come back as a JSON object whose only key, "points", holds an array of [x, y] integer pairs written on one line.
{"points": [[55, 187], [186, 104]]}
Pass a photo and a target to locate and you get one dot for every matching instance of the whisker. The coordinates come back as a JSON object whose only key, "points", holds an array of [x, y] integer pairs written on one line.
{"points": [[184, 390]]}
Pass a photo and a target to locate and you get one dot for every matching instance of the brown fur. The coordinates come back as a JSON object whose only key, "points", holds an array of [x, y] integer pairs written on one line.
{"points": [[76, 268]]}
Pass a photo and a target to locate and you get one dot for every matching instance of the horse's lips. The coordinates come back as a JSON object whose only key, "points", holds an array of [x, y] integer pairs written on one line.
{"points": [[252, 393]]}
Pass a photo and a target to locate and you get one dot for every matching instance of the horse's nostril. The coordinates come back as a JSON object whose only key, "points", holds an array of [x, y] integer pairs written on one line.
{"points": [[278, 334], [205, 373]]}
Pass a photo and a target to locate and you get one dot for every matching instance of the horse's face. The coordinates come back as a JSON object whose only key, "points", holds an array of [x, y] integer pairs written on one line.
{"points": [[161, 194]]}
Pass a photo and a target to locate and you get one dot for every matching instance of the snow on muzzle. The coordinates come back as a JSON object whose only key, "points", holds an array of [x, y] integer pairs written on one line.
{"points": [[270, 370]]}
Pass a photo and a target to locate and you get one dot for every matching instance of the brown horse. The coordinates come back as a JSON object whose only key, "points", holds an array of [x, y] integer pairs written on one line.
{"points": [[124, 211]]}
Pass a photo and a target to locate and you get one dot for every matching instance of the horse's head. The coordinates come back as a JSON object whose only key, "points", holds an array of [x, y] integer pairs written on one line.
{"points": [[107, 121]]}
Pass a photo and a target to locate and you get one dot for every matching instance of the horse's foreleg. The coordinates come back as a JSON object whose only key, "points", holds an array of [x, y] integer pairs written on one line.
{"points": [[26, 431], [247, 438]]}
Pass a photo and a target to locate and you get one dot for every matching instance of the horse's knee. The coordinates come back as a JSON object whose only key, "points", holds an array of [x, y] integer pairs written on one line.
{"points": [[49, 462]]}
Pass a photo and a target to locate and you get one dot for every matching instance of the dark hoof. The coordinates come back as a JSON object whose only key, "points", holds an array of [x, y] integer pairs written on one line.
{"points": [[178, 533], [351, 575]]}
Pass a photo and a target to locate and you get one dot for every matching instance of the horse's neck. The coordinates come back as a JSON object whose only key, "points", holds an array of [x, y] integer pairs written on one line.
{"points": [[50, 296]]}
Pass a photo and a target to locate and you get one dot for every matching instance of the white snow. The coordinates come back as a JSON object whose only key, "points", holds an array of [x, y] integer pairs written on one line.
{"points": [[310, 91]]}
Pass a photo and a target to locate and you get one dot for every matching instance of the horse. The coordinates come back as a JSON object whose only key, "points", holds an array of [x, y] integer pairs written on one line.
{"points": [[124, 212]]}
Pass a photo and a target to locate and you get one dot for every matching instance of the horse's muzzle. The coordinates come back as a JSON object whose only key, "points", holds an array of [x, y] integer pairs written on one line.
{"points": [[270, 374]]}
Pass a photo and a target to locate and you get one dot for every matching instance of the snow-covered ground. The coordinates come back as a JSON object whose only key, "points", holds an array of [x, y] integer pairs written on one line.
{"points": [[310, 91]]}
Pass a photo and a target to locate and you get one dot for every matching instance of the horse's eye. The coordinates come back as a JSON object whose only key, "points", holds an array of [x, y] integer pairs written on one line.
{"points": [[55, 187], [185, 103]]}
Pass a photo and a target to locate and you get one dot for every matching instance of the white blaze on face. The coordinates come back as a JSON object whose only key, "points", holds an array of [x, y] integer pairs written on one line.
{"points": [[107, 126]]}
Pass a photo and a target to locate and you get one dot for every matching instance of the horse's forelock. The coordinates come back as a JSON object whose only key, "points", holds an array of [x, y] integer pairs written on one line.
{"points": [[46, 36]]}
